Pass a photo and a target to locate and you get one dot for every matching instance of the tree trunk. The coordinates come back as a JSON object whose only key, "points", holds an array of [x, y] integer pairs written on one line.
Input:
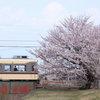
{"points": [[88, 85]]}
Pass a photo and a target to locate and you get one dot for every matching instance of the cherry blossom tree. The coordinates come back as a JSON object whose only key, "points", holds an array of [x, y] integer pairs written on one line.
{"points": [[73, 43]]}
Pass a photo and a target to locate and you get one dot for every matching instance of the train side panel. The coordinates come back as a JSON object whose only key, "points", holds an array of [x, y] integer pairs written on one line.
{"points": [[18, 76]]}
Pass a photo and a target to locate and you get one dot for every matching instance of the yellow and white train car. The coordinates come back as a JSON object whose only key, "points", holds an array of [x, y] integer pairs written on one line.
{"points": [[18, 68]]}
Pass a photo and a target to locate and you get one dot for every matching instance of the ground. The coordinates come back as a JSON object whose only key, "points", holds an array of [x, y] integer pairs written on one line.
{"points": [[63, 94], [55, 94]]}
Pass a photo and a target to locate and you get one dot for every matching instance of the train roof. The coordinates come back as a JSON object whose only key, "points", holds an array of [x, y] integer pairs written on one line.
{"points": [[17, 60]]}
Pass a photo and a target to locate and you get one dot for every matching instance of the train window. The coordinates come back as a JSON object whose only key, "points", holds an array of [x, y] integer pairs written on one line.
{"points": [[0, 68], [7, 68], [33, 68], [19, 68]]}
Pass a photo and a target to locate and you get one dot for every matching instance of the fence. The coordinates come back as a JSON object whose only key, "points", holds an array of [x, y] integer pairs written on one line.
{"points": [[69, 85]]}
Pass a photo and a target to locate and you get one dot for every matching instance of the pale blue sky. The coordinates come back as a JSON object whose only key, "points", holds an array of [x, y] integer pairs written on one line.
{"points": [[30, 19]]}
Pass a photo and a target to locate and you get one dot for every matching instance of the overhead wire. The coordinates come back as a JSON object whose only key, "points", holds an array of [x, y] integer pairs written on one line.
{"points": [[19, 40], [22, 46], [18, 45]]}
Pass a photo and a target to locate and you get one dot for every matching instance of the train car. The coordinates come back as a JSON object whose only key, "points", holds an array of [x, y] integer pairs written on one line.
{"points": [[18, 68], [17, 71]]}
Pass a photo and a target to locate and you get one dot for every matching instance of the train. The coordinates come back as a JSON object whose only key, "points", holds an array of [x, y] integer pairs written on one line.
{"points": [[18, 74]]}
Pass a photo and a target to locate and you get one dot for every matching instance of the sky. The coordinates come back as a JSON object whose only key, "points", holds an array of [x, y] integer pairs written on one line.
{"points": [[28, 20]]}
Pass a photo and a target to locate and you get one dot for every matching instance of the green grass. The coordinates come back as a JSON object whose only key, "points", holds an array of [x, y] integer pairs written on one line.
{"points": [[11, 96], [63, 94]]}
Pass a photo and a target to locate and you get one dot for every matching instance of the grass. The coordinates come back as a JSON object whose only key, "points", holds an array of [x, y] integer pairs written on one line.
{"points": [[54, 94], [11, 96], [63, 94]]}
